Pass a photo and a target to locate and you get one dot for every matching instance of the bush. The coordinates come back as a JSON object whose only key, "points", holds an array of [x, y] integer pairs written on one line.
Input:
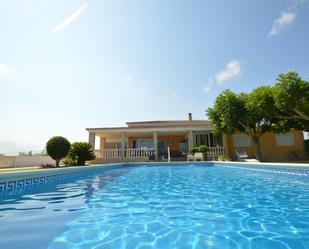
{"points": [[194, 150], [81, 152], [58, 148], [203, 148], [223, 158], [69, 161]]}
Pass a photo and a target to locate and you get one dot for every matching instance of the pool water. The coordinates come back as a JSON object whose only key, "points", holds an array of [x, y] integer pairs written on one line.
{"points": [[163, 206]]}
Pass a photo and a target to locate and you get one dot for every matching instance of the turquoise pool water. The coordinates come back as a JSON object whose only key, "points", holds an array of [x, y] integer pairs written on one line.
{"points": [[164, 206]]}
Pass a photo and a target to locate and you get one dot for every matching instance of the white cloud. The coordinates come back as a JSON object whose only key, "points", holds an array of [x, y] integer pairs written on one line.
{"points": [[231, 70], [70, 19], [284, 20], [208, 85], [125, 80], [4, 69]]}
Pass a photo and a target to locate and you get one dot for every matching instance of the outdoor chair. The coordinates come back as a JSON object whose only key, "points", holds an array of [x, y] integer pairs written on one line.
{"points": [[242, 156]]}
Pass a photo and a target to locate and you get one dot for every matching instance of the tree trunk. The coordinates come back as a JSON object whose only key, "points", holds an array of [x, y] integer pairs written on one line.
{"points": [[257, 146], [57, 162]]}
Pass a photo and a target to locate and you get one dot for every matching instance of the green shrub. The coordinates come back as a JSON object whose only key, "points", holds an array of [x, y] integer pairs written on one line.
{"points": [[81, 152], [203, 148], [58, 148], [223, 158], [194, 150], [69, 161]]}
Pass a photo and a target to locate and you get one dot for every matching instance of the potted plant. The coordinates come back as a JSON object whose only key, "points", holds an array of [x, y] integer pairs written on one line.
{"points": [[194, 150], [203, 149]]}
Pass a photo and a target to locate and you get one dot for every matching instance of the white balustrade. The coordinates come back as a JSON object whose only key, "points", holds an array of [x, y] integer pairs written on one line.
{"points": [[127, 153], [214, 152], [138, 153], [111, 153]]}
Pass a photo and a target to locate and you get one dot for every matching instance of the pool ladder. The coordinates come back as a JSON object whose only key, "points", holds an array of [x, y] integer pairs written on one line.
{"points": [[168, 155]]}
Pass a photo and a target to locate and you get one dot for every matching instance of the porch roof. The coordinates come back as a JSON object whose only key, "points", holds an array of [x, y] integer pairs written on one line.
{"points": [[132, 131]]}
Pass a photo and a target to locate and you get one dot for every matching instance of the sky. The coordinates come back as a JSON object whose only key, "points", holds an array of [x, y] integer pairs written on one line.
{"points": [[68, 65]]}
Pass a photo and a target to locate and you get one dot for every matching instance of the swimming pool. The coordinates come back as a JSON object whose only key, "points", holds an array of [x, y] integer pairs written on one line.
{"points": [[160, 206]]}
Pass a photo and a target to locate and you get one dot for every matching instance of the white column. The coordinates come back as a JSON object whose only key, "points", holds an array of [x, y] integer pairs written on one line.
{"points": [[102, 143], [102, 146], [91, 140], [155, 144], [123, 141], [190, 140]]}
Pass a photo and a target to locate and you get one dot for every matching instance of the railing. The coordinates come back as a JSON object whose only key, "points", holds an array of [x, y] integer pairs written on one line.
{"points": [[214, 152], [138, 153], [111, 153], [127, 153]]}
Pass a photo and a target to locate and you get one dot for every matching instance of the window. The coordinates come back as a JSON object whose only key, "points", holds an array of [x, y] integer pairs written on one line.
{"points": [[284, 139], [201, 139], [208, 139], [241, 141], [143, 144]]}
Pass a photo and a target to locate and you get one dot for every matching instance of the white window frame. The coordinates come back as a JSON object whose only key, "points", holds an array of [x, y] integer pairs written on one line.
{"points": [[291, 140], [248, 142]]}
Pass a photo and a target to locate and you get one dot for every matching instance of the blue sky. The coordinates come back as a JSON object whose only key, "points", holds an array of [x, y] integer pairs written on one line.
{"points": [[67, 65]]}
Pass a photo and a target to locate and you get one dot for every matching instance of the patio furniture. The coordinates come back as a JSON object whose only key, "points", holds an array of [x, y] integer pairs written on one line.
{"points": [[243, 156]]}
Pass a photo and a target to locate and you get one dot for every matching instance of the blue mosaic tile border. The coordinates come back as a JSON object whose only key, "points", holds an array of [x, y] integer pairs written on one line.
{"points": [[22, 184], [275, 169], [296, 171], [12, 185]]}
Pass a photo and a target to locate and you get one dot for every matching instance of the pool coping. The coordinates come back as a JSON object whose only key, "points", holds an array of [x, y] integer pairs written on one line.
{"points": [[30, 170], [63, 170], [48, 171]]}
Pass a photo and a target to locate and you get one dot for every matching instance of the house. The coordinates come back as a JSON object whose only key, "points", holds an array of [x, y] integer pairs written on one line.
{"points": [[140, 141]]}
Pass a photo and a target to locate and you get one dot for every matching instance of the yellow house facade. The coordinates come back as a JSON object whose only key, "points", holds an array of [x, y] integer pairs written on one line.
{"points": [[150, 140], [274, 147]]}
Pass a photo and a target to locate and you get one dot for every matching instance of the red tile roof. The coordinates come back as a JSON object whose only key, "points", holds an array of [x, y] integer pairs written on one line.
{"points": [[170, 124]]}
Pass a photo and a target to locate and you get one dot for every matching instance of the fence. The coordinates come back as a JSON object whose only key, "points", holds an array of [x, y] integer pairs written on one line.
{"points": [[24, 161]]}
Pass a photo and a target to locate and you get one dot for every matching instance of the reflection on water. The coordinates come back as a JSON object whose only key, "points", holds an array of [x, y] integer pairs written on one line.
{"points": [[32, 217]]}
